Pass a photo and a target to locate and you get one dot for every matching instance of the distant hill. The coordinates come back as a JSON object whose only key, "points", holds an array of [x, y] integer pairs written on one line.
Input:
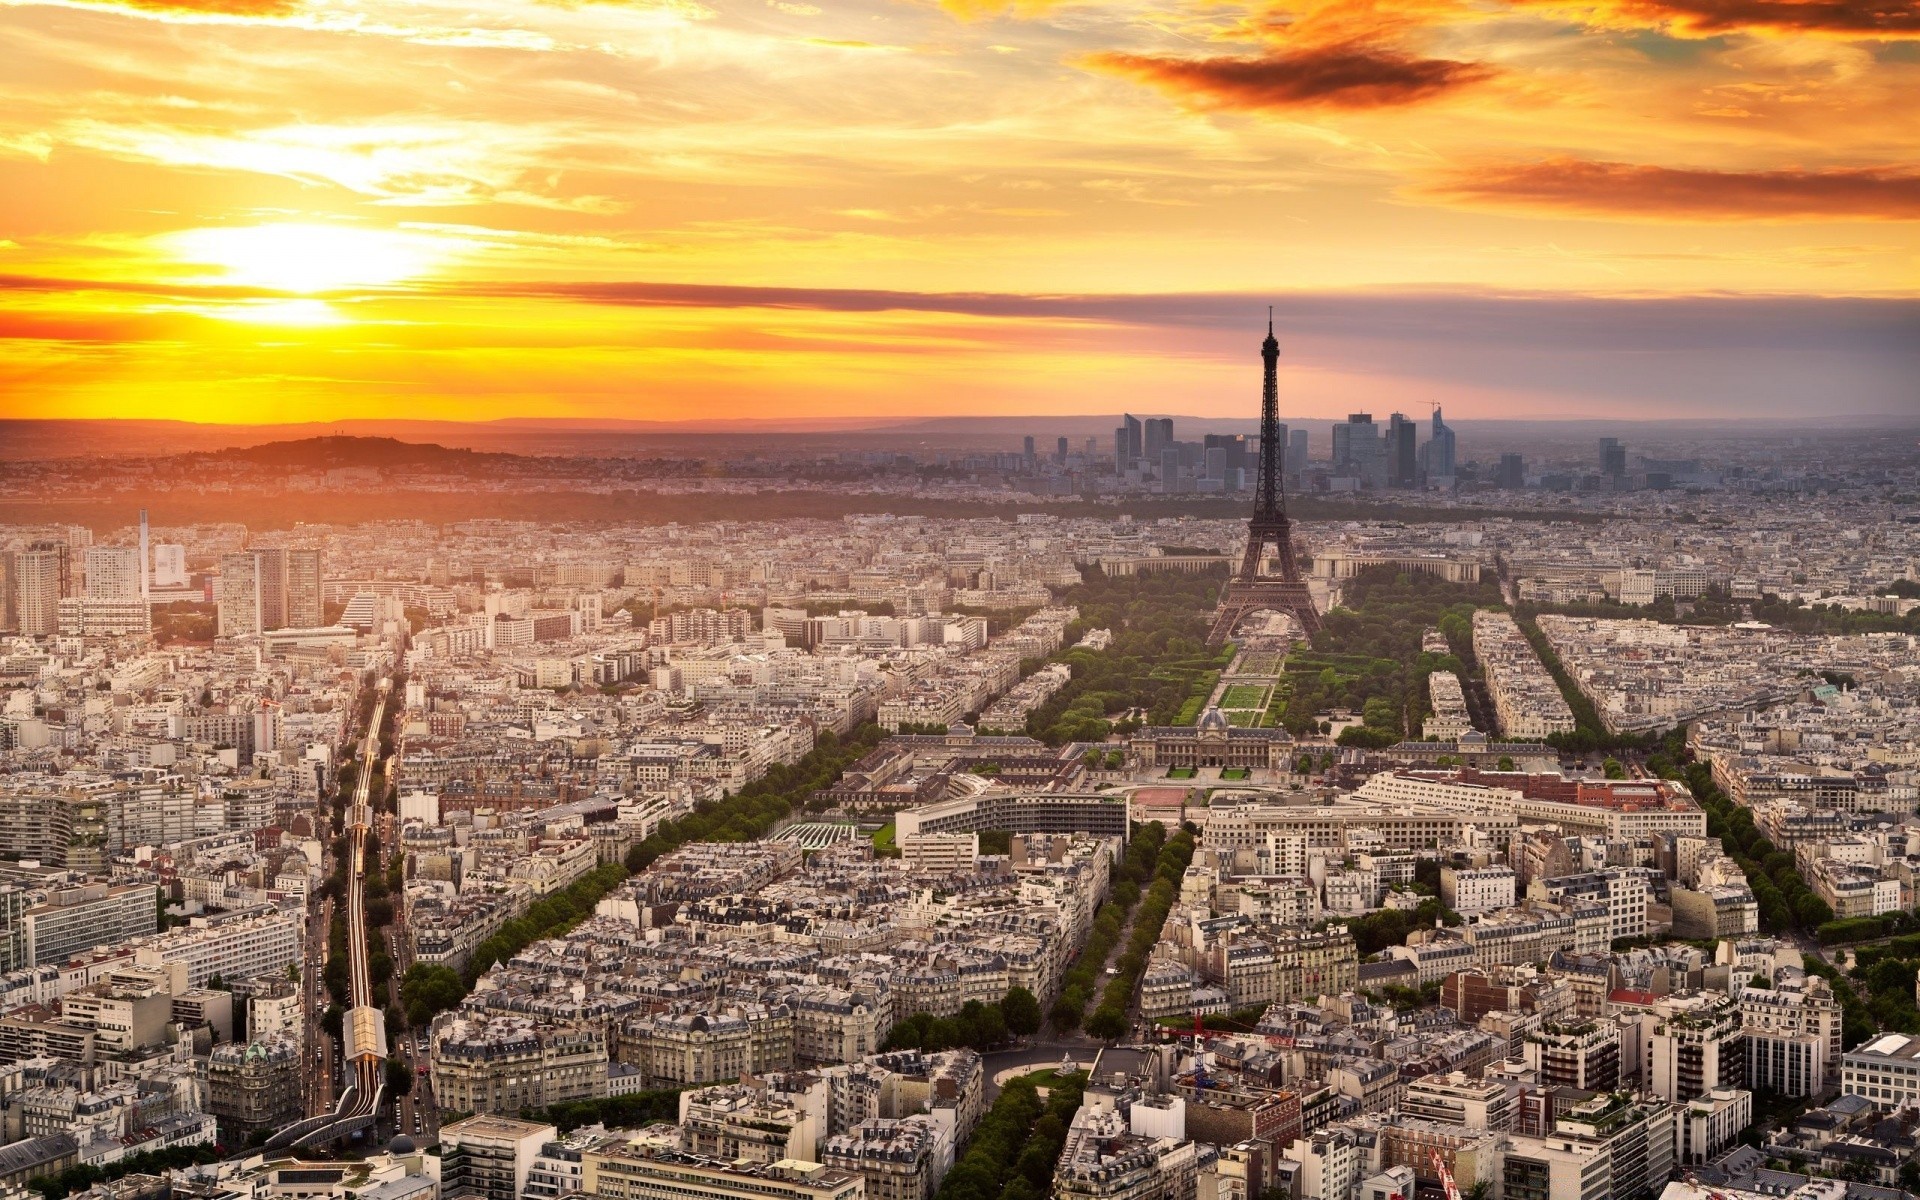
{"points": [[329, 453]]}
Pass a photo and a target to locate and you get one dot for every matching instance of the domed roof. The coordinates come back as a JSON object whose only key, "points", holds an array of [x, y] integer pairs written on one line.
{"points": [[1214, 719], [401, 1144]]}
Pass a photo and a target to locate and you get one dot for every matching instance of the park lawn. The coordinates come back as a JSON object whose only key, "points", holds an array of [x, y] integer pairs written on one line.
{"points": [[883, 837], [1235, 773], [1180, 772], [1244, 695]]}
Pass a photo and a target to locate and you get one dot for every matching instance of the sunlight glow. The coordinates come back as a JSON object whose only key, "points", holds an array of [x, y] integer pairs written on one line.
{"points": [[300, 257]]}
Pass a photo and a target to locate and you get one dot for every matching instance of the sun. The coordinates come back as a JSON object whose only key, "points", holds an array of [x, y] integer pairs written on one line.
{"points": [[306, 257]]}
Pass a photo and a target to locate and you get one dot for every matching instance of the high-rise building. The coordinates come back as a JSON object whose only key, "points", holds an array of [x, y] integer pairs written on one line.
{"points": [[1296, 454], [1402, 452], [9, 592], [42, 578], [1512, 472], [1129, 440], [1440, 450], [238, 596], [1158, 434], [1358, 451], [1027, 449], [273, 587], [169, 566], [1060, 452], [1613, 457], [305, 589], [113, 573]]}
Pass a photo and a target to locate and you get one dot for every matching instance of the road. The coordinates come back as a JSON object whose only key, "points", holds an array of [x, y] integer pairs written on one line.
{"points": [[358, 1105]]}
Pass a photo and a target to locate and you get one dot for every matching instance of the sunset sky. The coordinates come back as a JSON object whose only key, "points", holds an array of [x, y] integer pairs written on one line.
{"points": [[262, 210]]}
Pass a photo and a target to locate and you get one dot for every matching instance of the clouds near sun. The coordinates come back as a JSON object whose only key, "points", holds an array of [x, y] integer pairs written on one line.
{"points": [[488, 206]]}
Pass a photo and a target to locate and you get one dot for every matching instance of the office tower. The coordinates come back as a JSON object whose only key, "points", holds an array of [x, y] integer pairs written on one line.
{"points": [[42, 578], [1027, 449], [113, 573], [1359, 452], [1132, 440], [1402, 452], [1440, 449], [169, 566], [9, 593], [1252, 589], [146, 561], [1512, 473], [238, 595], [1060, 453], [1297, 454], [1158, 435], [305, 589], [1093, 447], [1613, 457], [1228, 450]]}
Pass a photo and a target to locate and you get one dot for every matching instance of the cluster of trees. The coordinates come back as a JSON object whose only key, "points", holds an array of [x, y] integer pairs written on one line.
{"points": [[1157, 656], [429, 989], [1076, 989], [550, 916], [82, 1176], [763, 803], [1857, 1024], [630, 1111], [1367, 655], [1375, 931], [1887, 974], [1015, 1149], [1784, 899], [1589, 732], [982, 1027], [1109, 1021]]}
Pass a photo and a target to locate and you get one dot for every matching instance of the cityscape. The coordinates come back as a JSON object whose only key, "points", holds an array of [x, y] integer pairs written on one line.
{"points": [[1344, 810]]}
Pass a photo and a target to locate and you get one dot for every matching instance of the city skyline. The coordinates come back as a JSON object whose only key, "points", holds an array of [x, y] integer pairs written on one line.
{"points": [[364, 209]]}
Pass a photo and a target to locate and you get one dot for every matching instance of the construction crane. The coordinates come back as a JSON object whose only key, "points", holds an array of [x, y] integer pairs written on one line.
{"points": [[1446, 1175]]}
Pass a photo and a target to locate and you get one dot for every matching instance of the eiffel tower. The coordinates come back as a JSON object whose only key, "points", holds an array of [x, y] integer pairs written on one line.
{"points": [[1252, 590]]}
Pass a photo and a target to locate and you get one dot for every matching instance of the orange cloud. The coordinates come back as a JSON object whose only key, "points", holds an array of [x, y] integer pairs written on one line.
{"points": [[1348, 76], [241, 9], [1636, 192], [1708, 18]]}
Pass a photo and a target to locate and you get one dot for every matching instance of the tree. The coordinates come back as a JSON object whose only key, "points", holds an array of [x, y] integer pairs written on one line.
{"points": [[1021, 1011], [1612, 768], [1505, 763], [1107, 1023], [399, 1079]]}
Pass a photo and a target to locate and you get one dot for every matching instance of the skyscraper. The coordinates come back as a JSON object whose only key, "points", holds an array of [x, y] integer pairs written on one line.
{"points": [[1159, 436], [1440, 450], [42, 578], [1512, 472], [1402, 452], [305, 589], [1297, 454], [1358, 451], [113, 573], [1060, 453], [238, 596], [1128, 441], [272, 577], [1613, 457], [1027, 449]]}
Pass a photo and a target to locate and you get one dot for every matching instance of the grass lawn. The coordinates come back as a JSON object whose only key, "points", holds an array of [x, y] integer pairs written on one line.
{"points": [[1180, 772], [883, 837], [1234, 773], [1245, 695]]}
